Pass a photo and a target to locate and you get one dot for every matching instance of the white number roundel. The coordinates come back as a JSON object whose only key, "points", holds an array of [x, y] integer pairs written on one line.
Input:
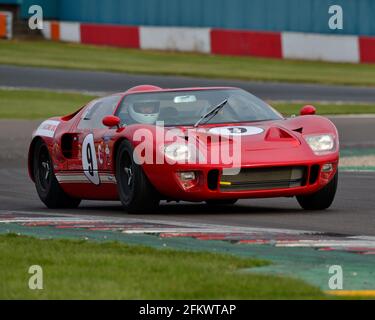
{"points": [[89, 161], [236, 131]]}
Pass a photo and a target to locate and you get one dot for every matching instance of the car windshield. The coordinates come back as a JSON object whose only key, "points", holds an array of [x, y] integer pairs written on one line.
{"points": [[188, 107]]}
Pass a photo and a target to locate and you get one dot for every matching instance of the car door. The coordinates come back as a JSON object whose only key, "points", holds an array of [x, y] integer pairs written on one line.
{"points": [[93, 157]]}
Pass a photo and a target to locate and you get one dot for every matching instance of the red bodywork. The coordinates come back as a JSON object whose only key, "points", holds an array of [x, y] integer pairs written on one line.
{"points": [[280, 145]]}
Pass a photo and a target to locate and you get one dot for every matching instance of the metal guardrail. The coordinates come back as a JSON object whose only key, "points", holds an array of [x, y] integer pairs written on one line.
{"points": [[6, 25]]}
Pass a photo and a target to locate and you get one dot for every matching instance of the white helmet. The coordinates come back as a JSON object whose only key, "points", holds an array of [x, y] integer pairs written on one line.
{"points": [[146, 112]]}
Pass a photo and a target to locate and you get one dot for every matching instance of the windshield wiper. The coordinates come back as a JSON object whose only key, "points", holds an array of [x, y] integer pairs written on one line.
{"points": [[209, 115]]}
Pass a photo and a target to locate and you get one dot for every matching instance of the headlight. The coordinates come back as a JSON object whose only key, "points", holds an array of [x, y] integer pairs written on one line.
{"points": [[178, 152], [321, 143]]}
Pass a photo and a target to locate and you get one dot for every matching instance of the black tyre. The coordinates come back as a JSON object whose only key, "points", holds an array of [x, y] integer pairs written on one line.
{"points": [[46, 184], [322, 199], [221, 202], [136, 193]]}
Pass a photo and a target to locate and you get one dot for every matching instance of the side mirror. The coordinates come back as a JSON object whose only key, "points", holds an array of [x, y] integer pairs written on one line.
{"points": [[111, 121], [308, 110]]}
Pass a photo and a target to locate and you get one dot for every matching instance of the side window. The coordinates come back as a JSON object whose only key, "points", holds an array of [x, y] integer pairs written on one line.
{"points": [[92, 118], [123, 112]]}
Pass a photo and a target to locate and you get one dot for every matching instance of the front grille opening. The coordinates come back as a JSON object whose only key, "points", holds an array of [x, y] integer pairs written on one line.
{"points": [[213, 179], [305, 177], [314, 173], [265, 178]]}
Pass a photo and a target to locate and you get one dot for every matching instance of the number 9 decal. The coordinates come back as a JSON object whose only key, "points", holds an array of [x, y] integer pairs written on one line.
{"points": [[89, 161]]}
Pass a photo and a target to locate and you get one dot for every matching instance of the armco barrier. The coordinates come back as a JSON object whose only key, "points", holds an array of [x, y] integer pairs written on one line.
{"points": [[320, 47], [175, 39], [111, 35], [285, 45], [3, 25], [55, 31], [367, 49], [258, 44], [70, 31], [6, 21]]}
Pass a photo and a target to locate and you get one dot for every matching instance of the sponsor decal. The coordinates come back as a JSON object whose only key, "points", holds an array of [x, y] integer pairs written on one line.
{"points": [[107, 138], [47, 128], [107, 151], [89, 160], [100, 154], [236, 131]]}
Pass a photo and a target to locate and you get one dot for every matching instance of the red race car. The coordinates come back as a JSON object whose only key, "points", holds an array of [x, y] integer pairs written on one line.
{"points": [[216, 145]]}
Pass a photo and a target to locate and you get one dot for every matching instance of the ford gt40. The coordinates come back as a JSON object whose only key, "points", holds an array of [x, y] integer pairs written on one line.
{"points": [[213, 145]]}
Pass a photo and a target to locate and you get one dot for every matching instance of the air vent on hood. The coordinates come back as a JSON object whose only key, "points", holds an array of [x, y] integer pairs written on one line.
{"points": [[299, 130], [276, 133]]}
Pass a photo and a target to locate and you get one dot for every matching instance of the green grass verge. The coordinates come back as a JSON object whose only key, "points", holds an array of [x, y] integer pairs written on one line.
{"points": [[76, 56], [88, 270], [326, 108], [30, 104], [37, 104]]}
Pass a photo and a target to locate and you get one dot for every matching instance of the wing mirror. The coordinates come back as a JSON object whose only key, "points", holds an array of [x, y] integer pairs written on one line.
{"points": [[112, 121], [308, 110]]}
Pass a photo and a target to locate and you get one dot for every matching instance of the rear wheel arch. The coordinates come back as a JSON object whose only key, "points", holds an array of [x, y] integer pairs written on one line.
{"points": [[47, 186], [30, 160]]}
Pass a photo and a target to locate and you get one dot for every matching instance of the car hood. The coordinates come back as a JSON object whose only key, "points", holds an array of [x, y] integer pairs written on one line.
{"points": [[258, 143], [252, 136]]}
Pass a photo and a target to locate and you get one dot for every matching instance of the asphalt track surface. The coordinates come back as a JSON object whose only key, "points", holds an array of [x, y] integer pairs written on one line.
{"points": [[107, 82], [352, 213]]}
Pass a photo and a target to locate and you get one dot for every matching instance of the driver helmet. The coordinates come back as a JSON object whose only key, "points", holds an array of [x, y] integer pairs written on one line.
{"points": [[146, 112]]}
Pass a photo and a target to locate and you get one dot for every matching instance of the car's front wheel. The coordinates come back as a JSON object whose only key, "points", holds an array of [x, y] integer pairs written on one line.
{"points": [[136, 193], [47, 186], [321, 199]]}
